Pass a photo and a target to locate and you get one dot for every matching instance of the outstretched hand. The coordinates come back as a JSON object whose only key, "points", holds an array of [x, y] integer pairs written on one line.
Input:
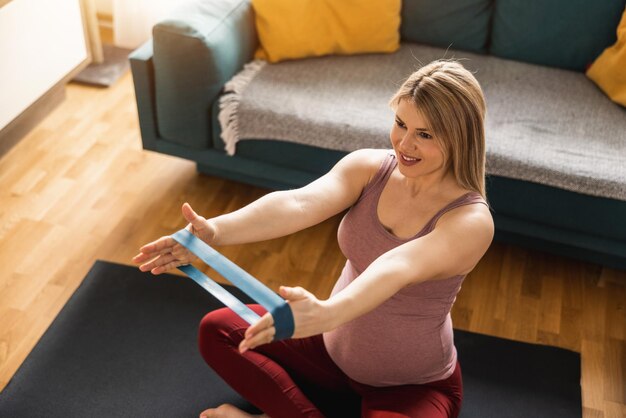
{"points": [[167, 254], [311, 317]]}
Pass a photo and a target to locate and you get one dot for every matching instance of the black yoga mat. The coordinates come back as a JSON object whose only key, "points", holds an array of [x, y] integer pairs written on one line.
{"points": [[125, 346]]}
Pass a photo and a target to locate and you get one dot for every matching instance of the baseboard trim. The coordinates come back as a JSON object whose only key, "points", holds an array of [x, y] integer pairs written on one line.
{"points": [[19, 127]]}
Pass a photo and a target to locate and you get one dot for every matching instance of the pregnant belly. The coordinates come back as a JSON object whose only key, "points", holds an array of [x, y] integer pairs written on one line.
{"points": [[377, 351]]}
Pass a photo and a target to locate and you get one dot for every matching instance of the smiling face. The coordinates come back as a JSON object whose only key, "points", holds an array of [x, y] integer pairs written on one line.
{"points": [[453, 151], [417, 150]]}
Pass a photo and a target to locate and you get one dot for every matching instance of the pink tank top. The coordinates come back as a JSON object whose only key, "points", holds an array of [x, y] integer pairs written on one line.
{"points": [[407, 339]]}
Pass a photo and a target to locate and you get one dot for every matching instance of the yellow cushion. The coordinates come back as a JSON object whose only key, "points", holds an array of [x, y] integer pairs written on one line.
{"points": [[290, 29], [608, 71]]}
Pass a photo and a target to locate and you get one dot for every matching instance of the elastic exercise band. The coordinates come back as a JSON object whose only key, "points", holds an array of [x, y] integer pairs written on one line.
{"points": [[275, 305]]}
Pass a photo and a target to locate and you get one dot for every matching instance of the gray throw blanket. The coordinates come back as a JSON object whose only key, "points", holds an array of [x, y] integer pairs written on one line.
{"points": [[544, 125]]}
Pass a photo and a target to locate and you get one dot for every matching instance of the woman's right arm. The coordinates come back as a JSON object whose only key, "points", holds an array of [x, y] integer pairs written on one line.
{"points": [[284, 212], [274, 215]]}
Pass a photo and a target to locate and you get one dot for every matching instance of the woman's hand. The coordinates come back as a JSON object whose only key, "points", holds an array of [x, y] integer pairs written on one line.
{"points": [[166, 254], [311, 317]]}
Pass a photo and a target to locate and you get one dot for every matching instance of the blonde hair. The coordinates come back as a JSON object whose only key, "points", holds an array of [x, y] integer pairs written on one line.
{"points": [[450, 99]]}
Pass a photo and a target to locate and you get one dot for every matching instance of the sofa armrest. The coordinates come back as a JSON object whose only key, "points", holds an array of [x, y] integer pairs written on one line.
{"points": [[196, 51], [142, 68]]}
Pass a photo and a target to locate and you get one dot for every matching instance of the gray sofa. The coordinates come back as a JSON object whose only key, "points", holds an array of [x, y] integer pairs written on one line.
{"points": [[556, 145]]}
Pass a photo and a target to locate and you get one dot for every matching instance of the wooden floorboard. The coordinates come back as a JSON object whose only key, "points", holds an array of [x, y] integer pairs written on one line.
{"points": [[79, 188]]}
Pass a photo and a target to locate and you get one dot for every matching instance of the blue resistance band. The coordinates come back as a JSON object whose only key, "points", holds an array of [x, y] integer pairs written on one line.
{"points": [[275, 305]]}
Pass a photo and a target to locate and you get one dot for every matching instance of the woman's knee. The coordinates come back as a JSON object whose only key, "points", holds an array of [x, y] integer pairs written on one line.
{"points": [[217, 330], [214, 322]]}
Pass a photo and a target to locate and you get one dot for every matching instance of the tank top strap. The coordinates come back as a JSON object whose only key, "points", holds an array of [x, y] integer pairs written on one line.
{"points": [[382, 175], [467, 199]]}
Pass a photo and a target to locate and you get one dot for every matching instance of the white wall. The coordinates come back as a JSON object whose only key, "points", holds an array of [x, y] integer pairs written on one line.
{"points": [[133, 19], [41, 41]]}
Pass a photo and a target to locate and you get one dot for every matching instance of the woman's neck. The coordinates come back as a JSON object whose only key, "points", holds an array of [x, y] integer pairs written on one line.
{"points": [[432, 185]]}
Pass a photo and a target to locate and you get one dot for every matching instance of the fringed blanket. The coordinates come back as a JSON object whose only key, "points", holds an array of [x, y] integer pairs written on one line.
{"points": [[544, 125]]}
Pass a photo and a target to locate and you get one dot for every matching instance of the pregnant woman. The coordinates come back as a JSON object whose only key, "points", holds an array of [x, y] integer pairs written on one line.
{"points": [[417, 223]]}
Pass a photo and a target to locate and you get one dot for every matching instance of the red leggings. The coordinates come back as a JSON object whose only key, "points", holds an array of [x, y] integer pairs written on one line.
{"points": [[297, 378]]}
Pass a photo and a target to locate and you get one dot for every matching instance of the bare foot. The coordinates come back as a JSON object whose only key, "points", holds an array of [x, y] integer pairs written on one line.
{"points": [[228, 411]]}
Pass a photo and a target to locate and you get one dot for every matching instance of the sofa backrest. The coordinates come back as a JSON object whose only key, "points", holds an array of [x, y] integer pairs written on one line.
{"points": [[567, 34], [458, 24]]}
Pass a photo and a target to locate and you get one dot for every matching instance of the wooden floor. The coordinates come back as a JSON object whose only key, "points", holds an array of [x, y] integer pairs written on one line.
{"points": [[80, 188]]}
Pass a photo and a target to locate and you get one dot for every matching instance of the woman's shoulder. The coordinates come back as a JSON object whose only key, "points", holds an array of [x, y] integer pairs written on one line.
{"points": [[368, 161], [354, 173], [469, 208], [470, 202], [370, 156]]}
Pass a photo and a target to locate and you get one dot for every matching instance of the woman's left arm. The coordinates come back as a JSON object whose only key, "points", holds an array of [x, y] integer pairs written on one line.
{"points": [[454, 247]]}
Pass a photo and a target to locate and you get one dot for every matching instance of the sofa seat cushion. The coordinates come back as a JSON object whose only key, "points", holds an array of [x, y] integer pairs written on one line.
{"points": [[544, 125]]}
